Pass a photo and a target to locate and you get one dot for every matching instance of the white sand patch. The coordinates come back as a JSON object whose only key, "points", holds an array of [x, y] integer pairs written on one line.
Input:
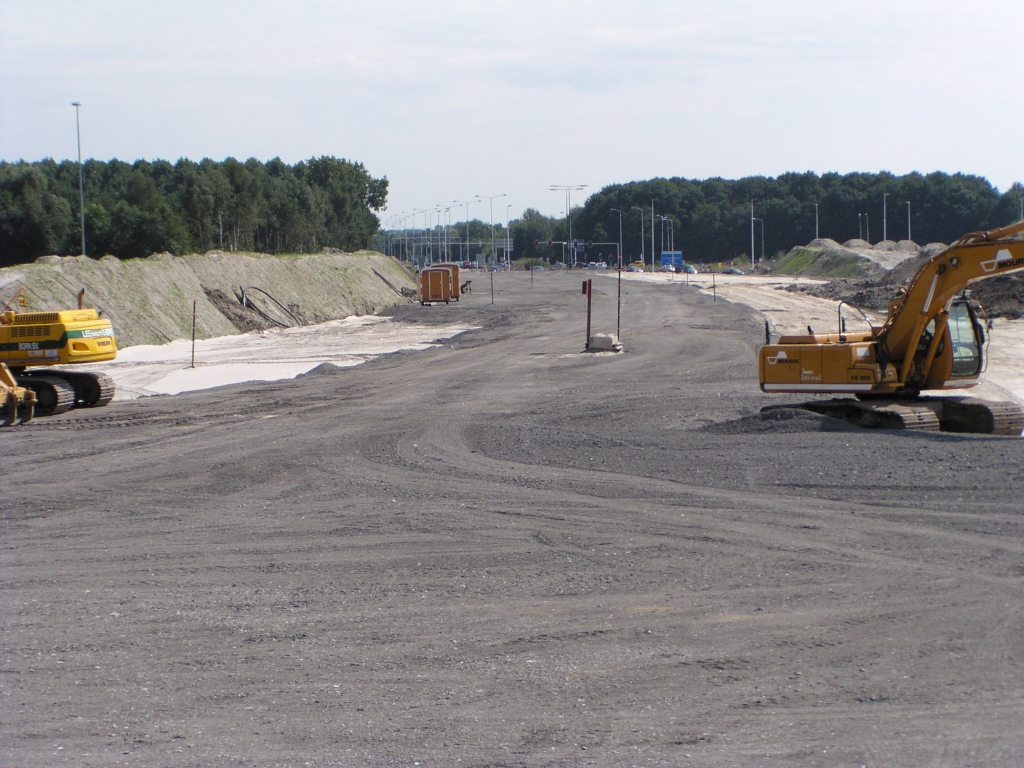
{"points": [[263, 356]]}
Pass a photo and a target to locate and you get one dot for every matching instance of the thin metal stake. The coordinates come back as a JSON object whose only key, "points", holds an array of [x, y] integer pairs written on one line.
{"points": [[193, 333], [588, 288], [618, 309], [714, 290], [492, 287]]}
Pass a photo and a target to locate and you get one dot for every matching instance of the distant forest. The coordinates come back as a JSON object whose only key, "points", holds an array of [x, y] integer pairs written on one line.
{"points": [[146, 207], [710, 219]]}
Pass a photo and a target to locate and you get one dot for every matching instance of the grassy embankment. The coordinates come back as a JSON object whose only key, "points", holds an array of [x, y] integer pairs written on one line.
{"points": [[150, 300], [822, 262]]}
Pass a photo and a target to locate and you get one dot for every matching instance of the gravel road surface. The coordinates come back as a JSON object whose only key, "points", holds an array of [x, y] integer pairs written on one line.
{"points": [[502, 552]]}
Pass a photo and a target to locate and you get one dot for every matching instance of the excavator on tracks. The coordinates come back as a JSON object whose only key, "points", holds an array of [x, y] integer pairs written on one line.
{"points": [[32, 344], [933, 338]]}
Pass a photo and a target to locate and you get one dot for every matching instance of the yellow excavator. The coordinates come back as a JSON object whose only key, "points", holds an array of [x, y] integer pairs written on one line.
{"points": [[932, 339], [33, 343]]}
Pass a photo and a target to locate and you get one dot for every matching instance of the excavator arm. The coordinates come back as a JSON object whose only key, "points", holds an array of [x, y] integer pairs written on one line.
{"points": [[974, 257]]}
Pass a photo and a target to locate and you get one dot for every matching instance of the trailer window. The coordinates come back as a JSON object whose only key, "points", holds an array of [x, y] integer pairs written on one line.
{"points": [[966, 352]]}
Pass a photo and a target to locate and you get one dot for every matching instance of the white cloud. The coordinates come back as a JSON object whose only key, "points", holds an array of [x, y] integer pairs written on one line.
{"points": [[453, 98]]}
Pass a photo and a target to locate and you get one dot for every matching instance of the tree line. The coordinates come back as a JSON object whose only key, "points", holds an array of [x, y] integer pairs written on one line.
{"points": [[709, 219], [145, 207]]}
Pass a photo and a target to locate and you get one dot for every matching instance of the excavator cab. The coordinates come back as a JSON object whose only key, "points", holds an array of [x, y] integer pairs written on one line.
{"points": [[967, 339]]}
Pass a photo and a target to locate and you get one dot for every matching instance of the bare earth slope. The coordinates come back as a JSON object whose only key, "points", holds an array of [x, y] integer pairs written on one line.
{"points": [[504, 553], [150, 300]]}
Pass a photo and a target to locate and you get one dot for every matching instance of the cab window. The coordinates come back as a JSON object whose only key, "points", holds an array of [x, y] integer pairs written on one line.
{"points": [[963, 336]]}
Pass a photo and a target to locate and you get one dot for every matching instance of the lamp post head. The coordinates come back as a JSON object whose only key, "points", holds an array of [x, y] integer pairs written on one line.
{"points": [[76, 103]]}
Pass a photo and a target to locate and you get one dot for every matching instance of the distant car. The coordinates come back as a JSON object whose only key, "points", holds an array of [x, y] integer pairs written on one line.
{"points": [[689, 269], [538, 269], [732, 271]]}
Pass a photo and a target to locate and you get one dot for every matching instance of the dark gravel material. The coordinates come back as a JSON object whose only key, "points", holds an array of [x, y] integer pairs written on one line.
{"points": [[502, 552]]}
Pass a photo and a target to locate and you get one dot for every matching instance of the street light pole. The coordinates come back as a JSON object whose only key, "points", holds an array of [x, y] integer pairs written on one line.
{"points": [[508, 239], [885, 232], [466, 203], [867, 227], [908, 220], [81, 176], [490, 199], [618, 309], [652, 235], [642, 255], [568, 189], [815, 221], [762, 243], [616, 210], [444, 213], [751, 233]]}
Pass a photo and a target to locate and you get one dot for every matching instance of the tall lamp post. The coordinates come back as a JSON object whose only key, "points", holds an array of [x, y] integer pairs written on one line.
{"points": [[491, 199], [751, 233], [642, 255], [762, 243], [508, 239], [885, 232], [618, 310], [908, 219], [81, 177], [616, 210], [815, 221], [466, 203], [568, 189]]}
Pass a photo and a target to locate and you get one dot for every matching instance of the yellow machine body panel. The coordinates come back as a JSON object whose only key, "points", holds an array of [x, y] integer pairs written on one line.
{"points": [[799, 364], [56, 338]]}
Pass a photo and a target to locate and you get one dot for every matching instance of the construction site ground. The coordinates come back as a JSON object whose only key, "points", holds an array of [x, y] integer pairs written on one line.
{"points": [[500, 551]]}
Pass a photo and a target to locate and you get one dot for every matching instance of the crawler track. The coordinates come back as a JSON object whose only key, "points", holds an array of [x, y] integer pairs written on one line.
{"points": [[927, 414], [58, 391]]}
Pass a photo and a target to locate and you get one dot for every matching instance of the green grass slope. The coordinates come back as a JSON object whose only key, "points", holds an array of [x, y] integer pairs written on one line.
{"points": [[150, 300]]}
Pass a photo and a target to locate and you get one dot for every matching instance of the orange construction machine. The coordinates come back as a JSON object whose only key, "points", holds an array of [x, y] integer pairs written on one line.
{"points": [[932, 339]]}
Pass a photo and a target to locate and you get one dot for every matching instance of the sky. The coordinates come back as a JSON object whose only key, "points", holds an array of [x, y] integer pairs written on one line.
{"points": [[453, 99]]}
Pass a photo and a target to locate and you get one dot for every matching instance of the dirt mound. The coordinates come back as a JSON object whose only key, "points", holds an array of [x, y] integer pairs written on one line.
{"points": [[150, 300], [779, 420], [324, 369], [998, 296], [814, 261], [824, 257]]}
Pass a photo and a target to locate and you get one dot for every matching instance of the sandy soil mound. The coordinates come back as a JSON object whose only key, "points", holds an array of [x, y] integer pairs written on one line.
{"points": [[825, 257], [999, 296], [150, 300]]}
